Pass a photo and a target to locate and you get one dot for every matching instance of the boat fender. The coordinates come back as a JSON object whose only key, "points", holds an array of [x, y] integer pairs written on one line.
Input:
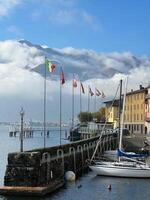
{"points": [[70, 176]]}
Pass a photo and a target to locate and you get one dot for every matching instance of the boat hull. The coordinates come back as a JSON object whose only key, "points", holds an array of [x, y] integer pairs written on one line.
{"points": [[116, 171]]}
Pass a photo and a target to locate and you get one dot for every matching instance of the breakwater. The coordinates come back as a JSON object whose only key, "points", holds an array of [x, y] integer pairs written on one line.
{"points": [[41, 171]]}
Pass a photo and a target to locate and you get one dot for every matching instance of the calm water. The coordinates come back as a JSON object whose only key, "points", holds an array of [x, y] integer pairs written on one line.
{"points": [[88, 187]]}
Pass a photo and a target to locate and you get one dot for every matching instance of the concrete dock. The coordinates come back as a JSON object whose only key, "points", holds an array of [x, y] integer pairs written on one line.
{"points": [[31, 191]]}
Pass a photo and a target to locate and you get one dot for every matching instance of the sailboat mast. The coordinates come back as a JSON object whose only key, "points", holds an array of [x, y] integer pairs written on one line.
{"points": [[122, 118], [120, 108]]}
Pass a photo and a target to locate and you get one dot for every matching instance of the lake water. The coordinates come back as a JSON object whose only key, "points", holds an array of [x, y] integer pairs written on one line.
{"points": [[88, 187]]}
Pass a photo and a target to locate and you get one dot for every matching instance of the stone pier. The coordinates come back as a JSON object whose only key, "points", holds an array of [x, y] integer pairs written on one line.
{"points": [[41, 171]]}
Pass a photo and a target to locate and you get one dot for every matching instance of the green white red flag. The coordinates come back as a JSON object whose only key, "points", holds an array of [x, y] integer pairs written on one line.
{"points": [[49, 66]]}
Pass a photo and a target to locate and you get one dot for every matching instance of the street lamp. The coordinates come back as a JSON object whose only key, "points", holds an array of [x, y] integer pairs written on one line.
{"points": [[21, 133]]}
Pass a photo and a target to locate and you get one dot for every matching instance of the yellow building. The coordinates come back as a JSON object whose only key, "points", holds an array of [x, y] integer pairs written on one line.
{"points": [[112, 112], [137, 111], [134, 115]]}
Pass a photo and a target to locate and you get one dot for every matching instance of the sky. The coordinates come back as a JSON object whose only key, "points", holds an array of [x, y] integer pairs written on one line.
{"points": [[101, 35], [114, 25]]}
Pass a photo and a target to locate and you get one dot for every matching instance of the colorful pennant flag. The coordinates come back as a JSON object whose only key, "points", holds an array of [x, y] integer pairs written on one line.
{"points": [[62, 78], [97, 92], [74, 82], [82, 88], [90, 91], [103, 95], [49, 66]]}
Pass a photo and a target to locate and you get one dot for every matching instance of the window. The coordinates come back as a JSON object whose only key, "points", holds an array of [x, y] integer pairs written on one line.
{"points": [[134, 117]]}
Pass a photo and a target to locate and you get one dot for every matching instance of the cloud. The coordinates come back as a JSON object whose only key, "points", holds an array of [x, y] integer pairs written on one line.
{"points": [[13, 53], [66, 13], [63, 17], [7, 5], [14, 30], [18, 58], [19, 82]]}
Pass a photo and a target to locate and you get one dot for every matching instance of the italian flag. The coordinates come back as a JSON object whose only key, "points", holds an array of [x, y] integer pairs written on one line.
{"points": [[49, 66]]}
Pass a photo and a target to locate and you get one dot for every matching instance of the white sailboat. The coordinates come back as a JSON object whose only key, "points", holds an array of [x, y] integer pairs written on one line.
{"points": [[127, 168]]}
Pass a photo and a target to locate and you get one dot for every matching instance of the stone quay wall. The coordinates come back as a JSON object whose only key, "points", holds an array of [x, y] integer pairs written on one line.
{"points": [[41, 167]]}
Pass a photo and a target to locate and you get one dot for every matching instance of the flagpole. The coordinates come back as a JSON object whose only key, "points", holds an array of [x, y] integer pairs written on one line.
{"points": [[44, 105], [73, 103], [88, 104], [80, 99], [60, 105], [95, 101]]}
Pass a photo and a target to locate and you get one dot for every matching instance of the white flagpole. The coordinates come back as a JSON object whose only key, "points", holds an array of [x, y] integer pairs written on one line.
{"points": [[73, 102], [88, 101], [80, 99], [44, 114], [60, 103], [95, 101]]}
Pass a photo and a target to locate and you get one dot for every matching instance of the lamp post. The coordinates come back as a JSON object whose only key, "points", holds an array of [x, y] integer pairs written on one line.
{"points": [[21, 133]]}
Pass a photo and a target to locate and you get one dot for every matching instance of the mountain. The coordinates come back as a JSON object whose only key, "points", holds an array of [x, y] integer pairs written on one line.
{"points": [[87, 64]]}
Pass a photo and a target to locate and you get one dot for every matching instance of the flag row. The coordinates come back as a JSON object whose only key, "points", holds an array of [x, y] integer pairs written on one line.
{"points": [[50, 66]]}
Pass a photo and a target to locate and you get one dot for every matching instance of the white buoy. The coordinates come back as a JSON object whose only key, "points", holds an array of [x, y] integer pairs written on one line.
{"points": [[70, 176]]}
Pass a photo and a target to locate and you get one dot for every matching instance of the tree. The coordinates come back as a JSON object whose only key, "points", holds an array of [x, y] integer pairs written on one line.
{"points": [[99, 115], [85, 117]]}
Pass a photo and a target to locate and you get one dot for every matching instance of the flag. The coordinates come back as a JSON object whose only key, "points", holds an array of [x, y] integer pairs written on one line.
{"points": [[49, 66], [97, 92], [90, 91], [82, 88], [74, 83], [62, 78], [103, 95]]}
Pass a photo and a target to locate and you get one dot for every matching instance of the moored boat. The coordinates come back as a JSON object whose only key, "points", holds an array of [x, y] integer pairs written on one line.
{"points": [[121, 169], [130, 167]]}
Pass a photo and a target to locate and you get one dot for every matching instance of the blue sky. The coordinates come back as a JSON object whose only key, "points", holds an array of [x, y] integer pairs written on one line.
{"points": [[101, 25]]}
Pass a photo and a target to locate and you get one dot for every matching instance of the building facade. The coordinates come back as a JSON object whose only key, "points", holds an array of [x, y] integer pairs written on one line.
{"points": [[134, 115], [137, 111], [112, 112]]}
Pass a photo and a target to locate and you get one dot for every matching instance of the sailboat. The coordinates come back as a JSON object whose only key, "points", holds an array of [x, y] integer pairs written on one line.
{"points": [[130, 167]]}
